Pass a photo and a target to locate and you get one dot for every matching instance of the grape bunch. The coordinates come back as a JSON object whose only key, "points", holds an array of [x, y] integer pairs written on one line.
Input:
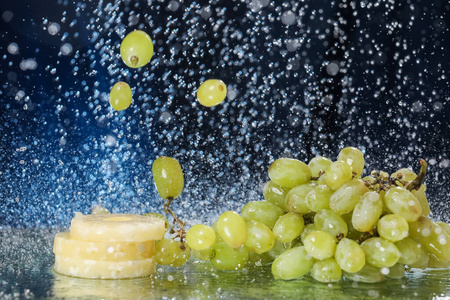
{"points": [[322, 219]]}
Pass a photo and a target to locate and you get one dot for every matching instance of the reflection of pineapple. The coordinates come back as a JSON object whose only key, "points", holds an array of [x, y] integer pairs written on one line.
{"points": [[65, 287]]}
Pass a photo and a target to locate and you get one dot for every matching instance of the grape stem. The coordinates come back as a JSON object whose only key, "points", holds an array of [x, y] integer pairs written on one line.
{"points": [[416, 183], [384, 182], [320, 174], [180, 233]]}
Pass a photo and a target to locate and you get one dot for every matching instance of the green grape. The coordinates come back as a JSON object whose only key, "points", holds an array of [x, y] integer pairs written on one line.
{"points": [[367, 212], [326, 270], [350, 256], [354, 158], [337, 174], [368, 274], [289, 173], [200, 237], [435, 263], [182, 256], [422, 261], [292, 263], [407, 174], [444, 226], [136, 49], [352, 233], [211, 92], [288, 227], [409, 251], [99, 210], [258, 260], [318, 164], [402, 202], [232, 229], [397, 271], [329, 221], [226, 258], [260, 238], [422, 198], [201, 254], [262, 211], [380, 253], [432, 237], [344, 200], [168, 177], [218, 238], [319, 198], [307, 230], [275, 194], [277, 249], [295, 199], [159, 216], [166, 251], [392, 228], [120, 96], [320, 244]]}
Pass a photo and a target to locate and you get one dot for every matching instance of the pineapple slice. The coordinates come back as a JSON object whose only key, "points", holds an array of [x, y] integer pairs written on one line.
{"points": [[87, 268], [110, 251], [116, 228]]}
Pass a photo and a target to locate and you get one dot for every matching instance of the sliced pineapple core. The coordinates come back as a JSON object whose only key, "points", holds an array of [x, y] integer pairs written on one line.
{"points": [[87, 268], [116, 228], [110, 251]]}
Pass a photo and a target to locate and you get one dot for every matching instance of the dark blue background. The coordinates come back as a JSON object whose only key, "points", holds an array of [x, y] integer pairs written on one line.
{"points": [[390, 98]]}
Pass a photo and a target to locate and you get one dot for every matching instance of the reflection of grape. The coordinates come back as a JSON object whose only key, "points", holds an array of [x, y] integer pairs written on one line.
{"points": [[120, 96], [136, 49], [368, 273], [211, 92]]}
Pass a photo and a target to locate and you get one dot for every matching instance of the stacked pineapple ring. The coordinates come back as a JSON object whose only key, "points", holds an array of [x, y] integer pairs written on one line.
{"points": [[108, 246]]}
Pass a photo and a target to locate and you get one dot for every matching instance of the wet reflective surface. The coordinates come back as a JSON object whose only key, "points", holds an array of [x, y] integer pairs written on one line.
{"points": [[26, 261]]}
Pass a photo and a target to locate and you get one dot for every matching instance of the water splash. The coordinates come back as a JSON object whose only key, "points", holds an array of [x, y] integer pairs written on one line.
{"points": [[304, 78]]}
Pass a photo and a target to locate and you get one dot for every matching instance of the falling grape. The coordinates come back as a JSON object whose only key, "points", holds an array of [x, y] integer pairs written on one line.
{"points": [[211, 92], [136, 49], [120, 96]]}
